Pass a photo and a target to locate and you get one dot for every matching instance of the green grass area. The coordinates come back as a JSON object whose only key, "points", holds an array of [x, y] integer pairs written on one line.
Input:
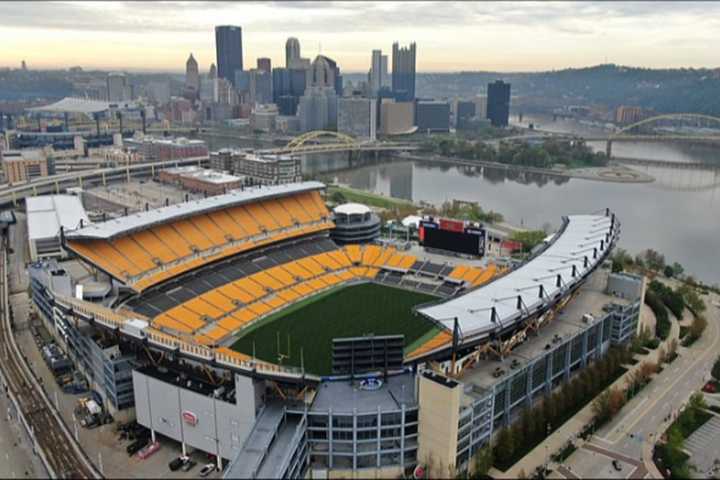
{"points": [[368, 198], [350, 311]]}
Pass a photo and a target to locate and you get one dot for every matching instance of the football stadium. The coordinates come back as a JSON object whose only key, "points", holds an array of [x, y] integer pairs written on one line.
{"points": [[241, 329]]}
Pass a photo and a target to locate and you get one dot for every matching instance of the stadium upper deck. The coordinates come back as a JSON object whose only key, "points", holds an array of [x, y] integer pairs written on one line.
{"points": [[147, 248], [574, 252]]}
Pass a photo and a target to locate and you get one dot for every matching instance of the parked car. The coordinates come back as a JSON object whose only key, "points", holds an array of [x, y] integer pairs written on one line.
{"points": [[148, 450], [207, 469], [617, 465], [187, 466], [176, 463], [136, 446]]}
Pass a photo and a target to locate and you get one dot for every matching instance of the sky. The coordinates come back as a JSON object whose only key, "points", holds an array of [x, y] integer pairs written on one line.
{"points": [[450, 36]]}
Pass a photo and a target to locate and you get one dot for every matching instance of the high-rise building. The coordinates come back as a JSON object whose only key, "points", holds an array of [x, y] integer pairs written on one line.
{"points": [[480, 106], [375, 78], [403, 72], [356, 117], [498, 103], [397, 118], [118, 89], [298, 81], [242, 82], [431, 116], [317, 109], [464, 111], [280, 83], [212, 74], [292, 51], [325, 73], [263, 63], [260, 86], [192, 78], [625, 114], [384, 75], [228, 47]]}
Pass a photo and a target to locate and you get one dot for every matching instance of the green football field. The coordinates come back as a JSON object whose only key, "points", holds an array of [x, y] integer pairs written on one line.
{"points": [[351, 311]]}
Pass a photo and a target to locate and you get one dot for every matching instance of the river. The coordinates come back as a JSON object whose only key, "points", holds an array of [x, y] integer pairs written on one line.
{"points": [[678, 214]]}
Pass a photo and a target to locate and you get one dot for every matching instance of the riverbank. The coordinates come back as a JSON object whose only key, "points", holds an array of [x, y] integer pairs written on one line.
{"points": [[368, 198], [612, 173]]}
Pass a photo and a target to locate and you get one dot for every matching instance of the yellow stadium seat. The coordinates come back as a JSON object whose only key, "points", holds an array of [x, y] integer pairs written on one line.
{"points": [[205, 224], [260, 308], [173, 240], [458, 272], [192, 235], [354, 253], [471, 274], [266, 280]]}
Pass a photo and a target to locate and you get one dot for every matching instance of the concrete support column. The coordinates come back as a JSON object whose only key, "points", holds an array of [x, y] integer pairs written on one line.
{"points": [[402, 437], [378, 431], [330, 439], [506, 402], [354, 435], [568, 356], [528, 385], [583, 356], [549, 373]]}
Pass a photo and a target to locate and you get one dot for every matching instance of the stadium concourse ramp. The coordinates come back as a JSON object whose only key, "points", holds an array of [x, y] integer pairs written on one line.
{"points": [[273, 449], [547, 278]]}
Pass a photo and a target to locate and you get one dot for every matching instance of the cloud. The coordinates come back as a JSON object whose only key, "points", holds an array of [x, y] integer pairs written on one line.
{"points": [[133, 17]]}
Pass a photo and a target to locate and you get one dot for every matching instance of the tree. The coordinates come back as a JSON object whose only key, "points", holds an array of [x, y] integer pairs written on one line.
{"points": [[678, 269], [669, 272], [483, 461], [528, 238], [338, 197], [504, 450], [654, 260]]}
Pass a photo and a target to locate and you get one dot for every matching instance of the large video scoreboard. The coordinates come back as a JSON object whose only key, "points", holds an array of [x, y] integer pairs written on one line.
{"points": [[452, 235]]}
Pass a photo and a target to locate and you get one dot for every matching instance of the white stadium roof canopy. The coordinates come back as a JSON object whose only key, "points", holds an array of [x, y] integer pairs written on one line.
{"points": [[78, 105], [141, 220], [576, 249]]}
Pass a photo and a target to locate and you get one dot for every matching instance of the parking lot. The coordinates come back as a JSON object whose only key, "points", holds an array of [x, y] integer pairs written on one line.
{"points": [[704, 447], [590, 464]]}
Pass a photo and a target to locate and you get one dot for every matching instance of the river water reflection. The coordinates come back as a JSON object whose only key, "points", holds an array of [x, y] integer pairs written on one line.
{"points": [[679, 214]]}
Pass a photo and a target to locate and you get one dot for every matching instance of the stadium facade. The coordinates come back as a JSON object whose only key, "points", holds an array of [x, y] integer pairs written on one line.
{"points": [[170, 290]]}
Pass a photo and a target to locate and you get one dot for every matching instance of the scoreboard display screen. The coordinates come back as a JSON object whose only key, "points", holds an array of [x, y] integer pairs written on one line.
{"points": [[448, 235]]}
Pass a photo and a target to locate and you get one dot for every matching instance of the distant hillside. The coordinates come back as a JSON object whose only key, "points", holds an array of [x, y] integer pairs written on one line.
{"points": [[664, 90]]}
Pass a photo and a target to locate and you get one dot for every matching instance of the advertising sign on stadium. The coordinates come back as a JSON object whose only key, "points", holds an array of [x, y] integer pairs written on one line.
{"points": [[190, 418], [452, 225]]}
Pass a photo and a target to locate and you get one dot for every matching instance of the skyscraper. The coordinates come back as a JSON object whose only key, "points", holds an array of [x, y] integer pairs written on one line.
{"points": [[498, 103], [325, 73], [263, 63], [192, 78], [403, 72], [375, 79], [384, 77], [292, 51], [228, 47], [117, 87], [212, 74]]}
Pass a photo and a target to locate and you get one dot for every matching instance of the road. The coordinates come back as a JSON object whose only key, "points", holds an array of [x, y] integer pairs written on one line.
{"points": [[630, 437]]}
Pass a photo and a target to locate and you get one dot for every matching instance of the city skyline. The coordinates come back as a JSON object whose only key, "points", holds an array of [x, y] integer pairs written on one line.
{"points": [[521, 36]]}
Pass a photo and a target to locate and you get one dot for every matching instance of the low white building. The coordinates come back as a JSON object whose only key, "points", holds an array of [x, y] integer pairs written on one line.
{"points": [[46, 214]]}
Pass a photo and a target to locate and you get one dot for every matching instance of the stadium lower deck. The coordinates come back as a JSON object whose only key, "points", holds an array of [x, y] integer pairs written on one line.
{"points": [[206, 276]]}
